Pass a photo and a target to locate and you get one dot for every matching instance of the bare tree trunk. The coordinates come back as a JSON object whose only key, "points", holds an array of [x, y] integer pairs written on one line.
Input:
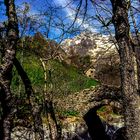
{"points": [[137, 49], [6, 71], [131, 101], [54, 126], [137, 45]]}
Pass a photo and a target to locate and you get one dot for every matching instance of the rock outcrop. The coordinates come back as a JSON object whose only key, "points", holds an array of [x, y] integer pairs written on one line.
{"points": [[103, 53], [83, 101]]}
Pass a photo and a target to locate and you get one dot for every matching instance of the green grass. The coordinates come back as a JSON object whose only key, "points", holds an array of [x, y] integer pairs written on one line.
{"points": [[67, 78], [69, 113], [32, 66], [102, 109], [62, 79]]}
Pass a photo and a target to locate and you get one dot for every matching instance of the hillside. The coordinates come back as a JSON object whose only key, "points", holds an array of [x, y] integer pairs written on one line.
{"points": [[64, 79]]}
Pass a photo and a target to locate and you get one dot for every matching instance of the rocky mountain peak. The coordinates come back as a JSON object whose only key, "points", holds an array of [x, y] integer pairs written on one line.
{"points": [[103, 53], [88, 43]]}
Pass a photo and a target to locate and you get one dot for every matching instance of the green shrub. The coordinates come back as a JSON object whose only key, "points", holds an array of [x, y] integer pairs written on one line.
{"points": [[69, 113]]}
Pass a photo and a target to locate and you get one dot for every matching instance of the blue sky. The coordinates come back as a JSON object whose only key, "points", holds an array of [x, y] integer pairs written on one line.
{"points": [[67, 14]]}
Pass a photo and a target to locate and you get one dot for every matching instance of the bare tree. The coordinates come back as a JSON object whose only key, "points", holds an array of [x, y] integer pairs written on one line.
{"points": [[130, 95], [7, 101]]}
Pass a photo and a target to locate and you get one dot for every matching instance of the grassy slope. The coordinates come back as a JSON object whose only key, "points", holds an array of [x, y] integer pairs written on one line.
{"points": [[64, 78], [68, 79]]}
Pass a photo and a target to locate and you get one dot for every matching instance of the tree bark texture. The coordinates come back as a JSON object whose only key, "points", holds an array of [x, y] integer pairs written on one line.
{"points": [[6, 70], [137, 49], [131, 101]]}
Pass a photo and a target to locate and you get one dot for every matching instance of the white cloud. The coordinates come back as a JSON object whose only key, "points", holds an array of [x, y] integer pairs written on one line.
{"points": [[71, 14]]}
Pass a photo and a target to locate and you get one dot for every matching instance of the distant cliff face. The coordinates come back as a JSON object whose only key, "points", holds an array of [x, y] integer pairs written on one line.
{"points": [[102, 50], [88, 43]]}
